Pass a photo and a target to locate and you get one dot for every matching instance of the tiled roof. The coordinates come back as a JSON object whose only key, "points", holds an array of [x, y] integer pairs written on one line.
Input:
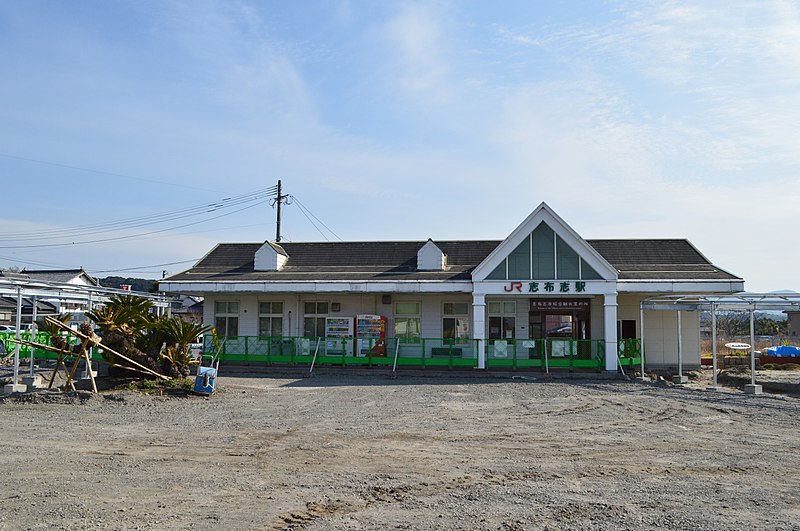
{"points": [[648, 252], [389, 261], [57, 275], [658, 260], [27, 305]]}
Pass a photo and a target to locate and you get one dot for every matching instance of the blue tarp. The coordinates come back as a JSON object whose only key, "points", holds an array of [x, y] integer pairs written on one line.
{"points": [[783, 350]]}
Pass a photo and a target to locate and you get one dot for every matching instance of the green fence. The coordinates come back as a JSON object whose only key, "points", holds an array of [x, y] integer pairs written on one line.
{"points": [[43, 338], [423, 352], [546, 353], [416, 352], [629, 352]]}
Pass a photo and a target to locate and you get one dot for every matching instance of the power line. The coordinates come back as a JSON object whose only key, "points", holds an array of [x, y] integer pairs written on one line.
{"points": [[300, 203], [142, 267], [130, 236], [152, 219], [312, 223], [33, 262], [25, 260], [101, 172]]}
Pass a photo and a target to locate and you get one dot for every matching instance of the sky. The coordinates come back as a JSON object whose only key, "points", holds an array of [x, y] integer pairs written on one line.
{"points": [[396, 121]]}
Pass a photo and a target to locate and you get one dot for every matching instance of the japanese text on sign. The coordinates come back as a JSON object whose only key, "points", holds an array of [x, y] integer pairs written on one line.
{"points": [[547, 286]]}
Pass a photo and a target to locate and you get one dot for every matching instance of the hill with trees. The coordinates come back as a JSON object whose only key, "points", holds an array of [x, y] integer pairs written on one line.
{"points": [[136, 284]]}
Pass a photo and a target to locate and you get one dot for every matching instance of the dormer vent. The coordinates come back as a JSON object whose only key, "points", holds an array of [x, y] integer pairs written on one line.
{"points": [[431, 258], [270, 257]]}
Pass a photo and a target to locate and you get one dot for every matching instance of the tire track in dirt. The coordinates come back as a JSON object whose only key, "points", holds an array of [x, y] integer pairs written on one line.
{"points": [[298, 519]]}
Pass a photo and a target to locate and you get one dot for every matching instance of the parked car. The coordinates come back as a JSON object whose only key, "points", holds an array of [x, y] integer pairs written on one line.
{"points": [[7, 328]]}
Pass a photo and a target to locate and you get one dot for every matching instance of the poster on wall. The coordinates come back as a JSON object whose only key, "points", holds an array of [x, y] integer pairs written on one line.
{"points": [[559, 348]]}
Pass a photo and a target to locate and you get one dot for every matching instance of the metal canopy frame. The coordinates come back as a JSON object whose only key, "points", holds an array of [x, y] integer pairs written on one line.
{"points": [[21, 288], [744, 301]]}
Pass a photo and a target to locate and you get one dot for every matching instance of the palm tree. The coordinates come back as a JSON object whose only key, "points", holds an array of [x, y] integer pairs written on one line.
{"points": [[126, 323], [179, 335], [54, 330]]}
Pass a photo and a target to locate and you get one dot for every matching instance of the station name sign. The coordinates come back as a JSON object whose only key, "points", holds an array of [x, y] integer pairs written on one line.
{"points": [[549, 286]]}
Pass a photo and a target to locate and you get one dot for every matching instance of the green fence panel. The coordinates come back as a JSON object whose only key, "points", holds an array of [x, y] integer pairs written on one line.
{"points": [[419, 352]]}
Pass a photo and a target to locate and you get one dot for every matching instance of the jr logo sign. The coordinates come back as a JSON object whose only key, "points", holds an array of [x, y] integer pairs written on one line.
{"points": [[513, 286]]}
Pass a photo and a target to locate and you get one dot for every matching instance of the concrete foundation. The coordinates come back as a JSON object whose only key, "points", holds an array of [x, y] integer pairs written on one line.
{"points": [[32, 381], [753, 389], [14, 388], [680, 379]]}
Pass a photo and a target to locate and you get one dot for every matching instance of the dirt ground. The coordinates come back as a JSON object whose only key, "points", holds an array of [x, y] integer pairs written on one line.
{"points": [[368, 452]]}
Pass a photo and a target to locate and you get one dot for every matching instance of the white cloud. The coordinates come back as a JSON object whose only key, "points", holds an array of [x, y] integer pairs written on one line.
{"points": [[417, 35]]}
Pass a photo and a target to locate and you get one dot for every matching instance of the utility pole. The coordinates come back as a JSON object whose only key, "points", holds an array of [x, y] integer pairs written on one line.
{"points": [[280, 199]]}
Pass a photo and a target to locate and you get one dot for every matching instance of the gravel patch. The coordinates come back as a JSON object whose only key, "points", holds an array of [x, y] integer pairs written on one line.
{"points": [[367, 452]]}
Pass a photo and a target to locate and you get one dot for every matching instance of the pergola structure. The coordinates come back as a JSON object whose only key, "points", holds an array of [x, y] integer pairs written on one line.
{"points": [[77, 293], [737, 302]]}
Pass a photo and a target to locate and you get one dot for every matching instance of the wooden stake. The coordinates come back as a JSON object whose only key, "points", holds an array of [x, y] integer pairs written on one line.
{"points": [[61, 353], [100, 344], [71, 374], [59, 362], [89, 370]]}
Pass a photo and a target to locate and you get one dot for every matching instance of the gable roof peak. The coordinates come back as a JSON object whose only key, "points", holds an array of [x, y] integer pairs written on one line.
{"points": [[545, 214], [278, 248]]}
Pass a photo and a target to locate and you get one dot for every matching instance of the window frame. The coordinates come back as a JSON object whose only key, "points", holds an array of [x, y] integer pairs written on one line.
{"points": [[460, 321], [272, 315], [413, 333], [229, 316], [318, 317], [503, 314]]}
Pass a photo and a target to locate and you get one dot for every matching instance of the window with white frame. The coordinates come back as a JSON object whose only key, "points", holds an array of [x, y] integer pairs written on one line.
{"points": [[270, 319], [314, 317], [502, 319], [455, 320], [407, 320], [226, 318]]}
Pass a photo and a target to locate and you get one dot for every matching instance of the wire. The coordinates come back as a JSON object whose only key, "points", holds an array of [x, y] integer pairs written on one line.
{"points": [[101, 172], [141, 267], [33, 262], [152, 219], [303, 207], [130, 236], [314, 224], [24, 261]]}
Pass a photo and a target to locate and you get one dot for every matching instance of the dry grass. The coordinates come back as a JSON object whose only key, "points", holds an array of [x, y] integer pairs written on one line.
{"points": [[722, 350]]}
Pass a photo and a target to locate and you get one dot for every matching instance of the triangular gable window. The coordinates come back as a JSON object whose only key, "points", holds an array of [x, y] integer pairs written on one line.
{"points": [[588, 272], [543, 255], [499, 272], [544, 252]]}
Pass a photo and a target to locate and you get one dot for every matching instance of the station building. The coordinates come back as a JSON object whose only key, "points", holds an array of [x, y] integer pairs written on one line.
{"points": [[542, 297]]}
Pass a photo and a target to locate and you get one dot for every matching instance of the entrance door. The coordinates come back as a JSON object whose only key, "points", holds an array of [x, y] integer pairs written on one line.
{"points": [[562, 329]]}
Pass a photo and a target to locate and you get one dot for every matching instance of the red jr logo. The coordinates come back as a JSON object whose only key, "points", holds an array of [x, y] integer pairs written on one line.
{"points": [[513, 286]]}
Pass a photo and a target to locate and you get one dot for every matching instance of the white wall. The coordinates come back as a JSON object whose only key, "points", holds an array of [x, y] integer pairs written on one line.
{"points": [[661, 336], [661, 333]]}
